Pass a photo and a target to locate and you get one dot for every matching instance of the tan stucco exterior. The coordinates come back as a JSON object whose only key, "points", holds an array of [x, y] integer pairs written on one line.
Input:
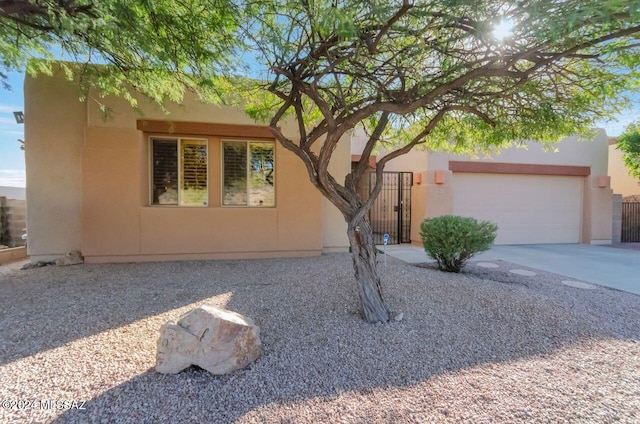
{"points": [[334, 231], [571, 176], [88, 188], [621, 182], [54, 166]]}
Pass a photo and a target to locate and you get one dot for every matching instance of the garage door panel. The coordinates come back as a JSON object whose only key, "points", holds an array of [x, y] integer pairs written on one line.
{"points": [[535, 234], [527, 208]]}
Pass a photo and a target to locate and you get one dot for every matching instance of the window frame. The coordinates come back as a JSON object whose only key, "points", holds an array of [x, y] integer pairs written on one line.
{"points": [[178, 140], [247, 142]]}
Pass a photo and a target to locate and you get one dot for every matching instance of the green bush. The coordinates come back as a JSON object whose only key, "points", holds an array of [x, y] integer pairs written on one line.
{"points": [[452, 240]]}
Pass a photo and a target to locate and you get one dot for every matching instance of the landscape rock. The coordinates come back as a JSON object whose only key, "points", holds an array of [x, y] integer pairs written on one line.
{"points": [[38, 264], [71, 258], [215, 339]]}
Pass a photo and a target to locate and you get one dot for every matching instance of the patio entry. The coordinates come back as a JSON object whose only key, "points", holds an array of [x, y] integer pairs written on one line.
{"points": [[630, 222], [391, 212]]}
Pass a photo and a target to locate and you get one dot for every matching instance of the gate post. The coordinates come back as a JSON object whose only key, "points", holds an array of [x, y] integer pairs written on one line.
{"points": [[616, 230]]}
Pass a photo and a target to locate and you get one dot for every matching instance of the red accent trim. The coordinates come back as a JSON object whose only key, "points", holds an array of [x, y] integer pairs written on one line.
{"points": [[518, 168], [372, 160], [203, 128]]}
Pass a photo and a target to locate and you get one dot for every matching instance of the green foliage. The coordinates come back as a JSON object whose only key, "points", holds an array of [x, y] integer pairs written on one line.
{"points": [[161, 48], [629, 143], [564, 67], [452, 240]]}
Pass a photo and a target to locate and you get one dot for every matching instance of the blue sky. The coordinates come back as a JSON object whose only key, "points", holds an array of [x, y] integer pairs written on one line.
{"points": [[12, 168], [11, 157]]}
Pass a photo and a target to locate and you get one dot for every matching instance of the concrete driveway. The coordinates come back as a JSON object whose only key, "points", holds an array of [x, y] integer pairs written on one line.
{"points": [[607, 266]]}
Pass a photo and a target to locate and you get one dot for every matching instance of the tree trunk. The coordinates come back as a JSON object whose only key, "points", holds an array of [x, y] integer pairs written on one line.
{"points": [[363, 251]]}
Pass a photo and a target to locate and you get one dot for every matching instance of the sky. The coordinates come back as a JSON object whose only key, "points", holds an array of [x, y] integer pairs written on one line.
{"points": [[12, 167], [11, 157]]}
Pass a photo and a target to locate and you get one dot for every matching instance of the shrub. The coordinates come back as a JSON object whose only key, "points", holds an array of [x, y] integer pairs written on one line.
{"points": [[452, 240]]}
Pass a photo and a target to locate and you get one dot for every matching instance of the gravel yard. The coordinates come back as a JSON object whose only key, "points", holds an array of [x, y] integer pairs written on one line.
{"points": [[486, 346]]}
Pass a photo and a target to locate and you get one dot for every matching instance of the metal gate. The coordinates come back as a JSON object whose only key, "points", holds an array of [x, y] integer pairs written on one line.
{"points": [[391, 212], [630, 222]]}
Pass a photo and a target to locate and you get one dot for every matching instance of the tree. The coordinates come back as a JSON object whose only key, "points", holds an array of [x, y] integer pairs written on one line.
{"points": [[629, 143], [412, 73], [433, 73], [161, 48]]}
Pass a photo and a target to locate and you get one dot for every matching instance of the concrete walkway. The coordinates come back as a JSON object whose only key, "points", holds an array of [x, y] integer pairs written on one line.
{"points": [[615, 268]]}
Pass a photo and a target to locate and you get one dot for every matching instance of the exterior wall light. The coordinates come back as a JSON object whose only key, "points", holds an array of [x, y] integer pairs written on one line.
{"points": [[19, 117]]}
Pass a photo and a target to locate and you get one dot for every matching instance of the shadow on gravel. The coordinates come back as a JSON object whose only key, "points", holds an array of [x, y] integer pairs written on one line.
{"points": [[315, 345], [45, 308]]}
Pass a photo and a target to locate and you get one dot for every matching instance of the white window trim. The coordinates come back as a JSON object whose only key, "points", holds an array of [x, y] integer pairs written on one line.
{"points": [[150, 169], [275, 168]]}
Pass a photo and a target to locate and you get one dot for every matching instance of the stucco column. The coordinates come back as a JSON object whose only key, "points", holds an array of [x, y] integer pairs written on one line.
{"points": [[54, 137], [598, 210], [432, 198]]}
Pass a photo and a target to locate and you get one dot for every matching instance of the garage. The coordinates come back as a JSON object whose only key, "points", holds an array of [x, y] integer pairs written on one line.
{"points": [[528, 209]]}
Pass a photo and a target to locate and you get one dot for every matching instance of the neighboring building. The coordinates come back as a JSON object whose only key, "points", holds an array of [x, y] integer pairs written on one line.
{"points": [[15, 193], [621, 182], [13, 216], [533, 195], [627, 191], [204, 182]]}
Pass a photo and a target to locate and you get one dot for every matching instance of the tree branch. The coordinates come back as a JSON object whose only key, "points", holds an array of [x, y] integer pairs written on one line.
{"points": [[406, 6], [36, 15], [401, 151], [371, 143]]}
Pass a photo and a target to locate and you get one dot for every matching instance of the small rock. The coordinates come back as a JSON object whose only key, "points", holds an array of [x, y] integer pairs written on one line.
{"points": [[38, 264], [71, 258], [212, 338], [398, 317]]}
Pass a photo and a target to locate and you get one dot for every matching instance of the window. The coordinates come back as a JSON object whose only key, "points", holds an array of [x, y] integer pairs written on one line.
{"points": [[179, 172], [248, 174]]}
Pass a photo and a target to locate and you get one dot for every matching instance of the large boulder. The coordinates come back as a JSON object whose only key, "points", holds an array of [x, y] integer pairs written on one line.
{"points": [[212, 338]]}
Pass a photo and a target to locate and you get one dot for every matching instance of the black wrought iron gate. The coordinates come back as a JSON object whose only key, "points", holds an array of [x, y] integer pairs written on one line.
{"points": [[630, 222], [391, 212]]}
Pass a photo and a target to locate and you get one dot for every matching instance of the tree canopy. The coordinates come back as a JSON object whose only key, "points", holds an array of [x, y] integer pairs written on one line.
{"points": [[629, 143], [161, 48], [434, 74]]}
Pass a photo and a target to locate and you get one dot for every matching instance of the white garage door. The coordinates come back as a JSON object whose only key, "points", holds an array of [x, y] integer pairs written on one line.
{"points": [[528, 209]]}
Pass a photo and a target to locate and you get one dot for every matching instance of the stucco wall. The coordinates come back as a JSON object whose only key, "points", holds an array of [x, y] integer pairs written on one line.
{"points": [[597, 227], [54, 138], [334, 235], [569, 151], [103, 206], [621, 182], [430, 199], [597, 200]]}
